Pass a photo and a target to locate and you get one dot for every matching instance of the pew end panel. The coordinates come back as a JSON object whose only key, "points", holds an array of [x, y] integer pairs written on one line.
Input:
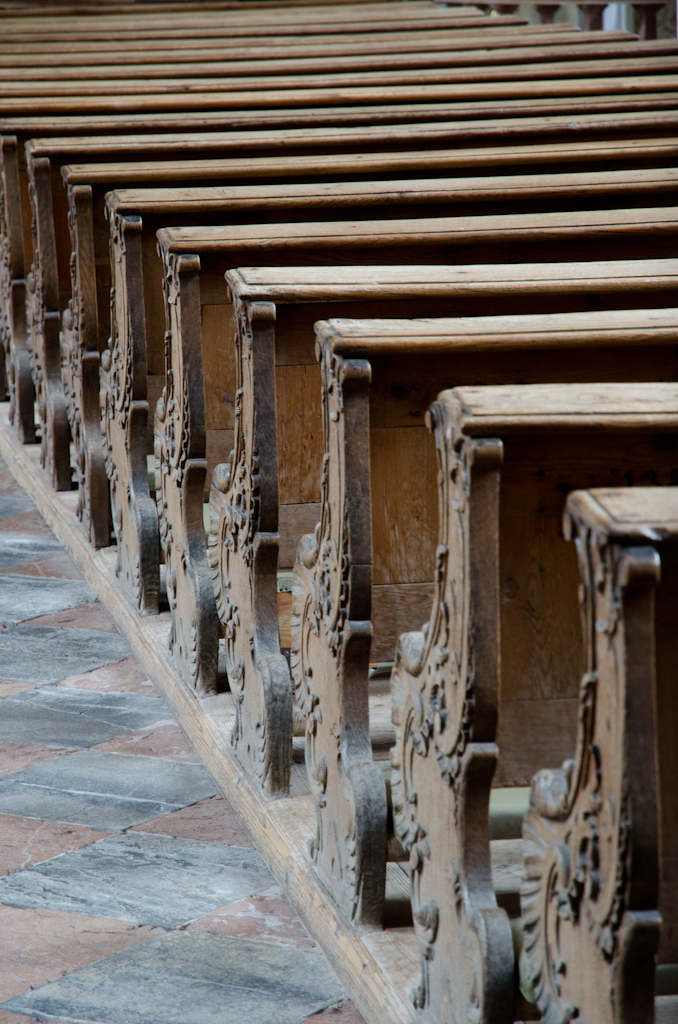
{"points": [[12, 282], [124, 409], [43, 323], [583, 953], [445, 687], [331, 633], [180, 480], [80, 372], [607, 803], [243, 555]]}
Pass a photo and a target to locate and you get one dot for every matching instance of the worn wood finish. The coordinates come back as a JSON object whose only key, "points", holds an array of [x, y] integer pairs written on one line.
{"points": [[124, 403], [322, 634], [12, 284], [605, 57], [251, 490], [42, 315], [603, 803], [180, 480], [181, 51], [433, 136], [84, 222], [199, 97], [446, 708], [219, 249], [80, 370]]}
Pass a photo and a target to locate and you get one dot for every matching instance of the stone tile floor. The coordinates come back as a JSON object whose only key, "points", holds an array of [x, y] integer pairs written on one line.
{"points": [[130, 893]]}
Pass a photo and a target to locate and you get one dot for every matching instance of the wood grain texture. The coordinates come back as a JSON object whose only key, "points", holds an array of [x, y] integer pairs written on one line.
{"points": [[602, 806]]}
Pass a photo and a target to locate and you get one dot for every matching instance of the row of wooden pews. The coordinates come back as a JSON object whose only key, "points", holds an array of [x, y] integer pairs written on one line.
{"points": [[352, 331]]}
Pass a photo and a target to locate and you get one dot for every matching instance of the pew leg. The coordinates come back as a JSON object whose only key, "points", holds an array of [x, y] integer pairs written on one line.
{"points": [[647, 20], [593, 17], [546, 12]]}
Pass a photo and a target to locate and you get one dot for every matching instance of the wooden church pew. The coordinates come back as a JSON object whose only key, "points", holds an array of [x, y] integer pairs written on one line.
{"points": [[511, 238], [442, 674]]}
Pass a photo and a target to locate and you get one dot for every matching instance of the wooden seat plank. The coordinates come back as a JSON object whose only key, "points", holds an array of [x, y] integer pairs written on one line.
{"points": [[561, 58], [182, 50]]}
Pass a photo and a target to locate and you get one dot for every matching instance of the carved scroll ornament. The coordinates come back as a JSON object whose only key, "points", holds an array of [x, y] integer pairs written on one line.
{"points": [[590, 836], [125, 418], [331, 633], [243, 555], [444, 696], [179, 433]]}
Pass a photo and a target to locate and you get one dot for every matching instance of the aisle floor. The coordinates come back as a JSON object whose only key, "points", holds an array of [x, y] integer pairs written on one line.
{"points": [[129, 891]]}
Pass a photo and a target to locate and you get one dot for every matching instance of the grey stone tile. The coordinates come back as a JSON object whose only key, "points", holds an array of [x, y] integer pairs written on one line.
{"points": [[14, 504], [151, 879], [17, 548], [27, 597], [187, 978], [108, 792], [47, 654], [55, 716]]}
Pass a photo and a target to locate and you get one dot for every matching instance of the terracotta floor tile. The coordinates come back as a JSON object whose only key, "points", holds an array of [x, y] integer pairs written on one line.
{"points": [[26, 522], [39, 945], [14, 757], [57, 566], [84, 616], [8, 687], [211, 821], [267, 917], [346, 1013], [16, 1018], [166, 740], [25, 841], [8, 484], [125, 676]]}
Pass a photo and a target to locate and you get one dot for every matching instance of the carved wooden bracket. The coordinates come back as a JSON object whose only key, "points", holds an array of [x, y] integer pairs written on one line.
{"points": [[42, 315], [179, 430], [125, 418], [243, 554], [331, 634], [445, 691], [591, 833]]}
